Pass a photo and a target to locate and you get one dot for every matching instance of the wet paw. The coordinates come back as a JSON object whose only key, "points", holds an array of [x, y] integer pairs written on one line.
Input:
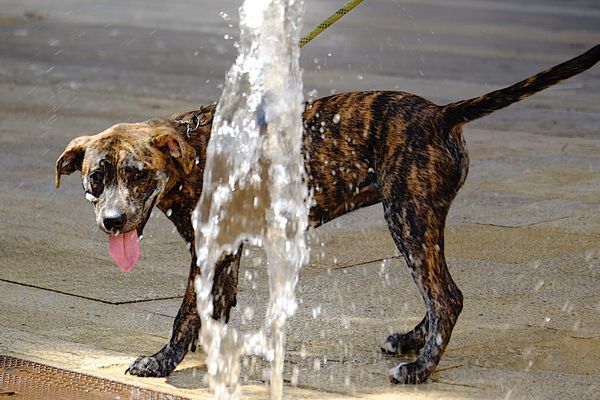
{"points": [[148, 366], [389, 346], [401, 344], [408, 373]]}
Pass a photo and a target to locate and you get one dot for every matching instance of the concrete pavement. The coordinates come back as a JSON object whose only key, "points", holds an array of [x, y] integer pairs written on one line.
{"points": [[522, 237]]}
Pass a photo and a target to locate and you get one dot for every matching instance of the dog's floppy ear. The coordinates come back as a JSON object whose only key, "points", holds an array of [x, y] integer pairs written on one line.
{"points": [[178, 148], [70, 160]]}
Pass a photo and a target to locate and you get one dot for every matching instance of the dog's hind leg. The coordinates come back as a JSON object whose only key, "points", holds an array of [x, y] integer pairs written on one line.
{"points": [[187, 323], [409, 342], [418, 229]]}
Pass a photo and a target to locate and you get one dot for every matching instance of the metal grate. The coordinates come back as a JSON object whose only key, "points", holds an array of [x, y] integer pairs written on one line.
{"points": [[22, 379]]}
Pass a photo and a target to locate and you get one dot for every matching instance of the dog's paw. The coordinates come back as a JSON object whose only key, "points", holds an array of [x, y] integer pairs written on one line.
{"points": [[408, 373], [389, 347], [401, 344], [148, 366]]}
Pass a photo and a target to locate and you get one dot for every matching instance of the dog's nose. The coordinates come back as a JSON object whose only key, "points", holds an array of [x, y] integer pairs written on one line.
{"points": [[115, 223]]}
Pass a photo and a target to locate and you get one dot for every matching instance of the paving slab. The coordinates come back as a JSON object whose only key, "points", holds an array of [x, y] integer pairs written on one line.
{"points": [[523, 235]]}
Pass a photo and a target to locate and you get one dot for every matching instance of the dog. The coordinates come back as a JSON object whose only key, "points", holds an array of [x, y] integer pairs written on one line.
{"points": [[360, 149]]}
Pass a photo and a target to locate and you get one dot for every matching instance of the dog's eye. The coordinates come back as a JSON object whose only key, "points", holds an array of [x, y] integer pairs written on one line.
{"points": [[96, 182], [97, 177]]}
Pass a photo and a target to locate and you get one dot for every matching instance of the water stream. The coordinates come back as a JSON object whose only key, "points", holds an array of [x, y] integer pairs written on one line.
{"points": [[253, 188]]}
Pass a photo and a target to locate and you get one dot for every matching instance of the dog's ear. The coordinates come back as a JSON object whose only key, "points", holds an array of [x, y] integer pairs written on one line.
{"points": [[70, 160], [177, 147]]}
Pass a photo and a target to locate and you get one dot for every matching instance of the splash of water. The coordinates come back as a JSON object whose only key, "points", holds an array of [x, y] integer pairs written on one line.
{"points": [[253, 187]]}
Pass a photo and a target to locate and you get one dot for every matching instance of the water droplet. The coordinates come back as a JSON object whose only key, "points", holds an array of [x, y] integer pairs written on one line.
{"points": [[248, 313], [295, 374], [248, 275], [438, 339], [90, 197], [317, 364], [336, 118], [345, 320], [316, 311]]}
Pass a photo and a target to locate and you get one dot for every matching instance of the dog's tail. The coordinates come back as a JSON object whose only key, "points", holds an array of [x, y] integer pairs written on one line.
{"points": [[468, 110]]}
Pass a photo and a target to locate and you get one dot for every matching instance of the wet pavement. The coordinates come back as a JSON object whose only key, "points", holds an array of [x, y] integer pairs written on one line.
{"points": [[523, 236]]}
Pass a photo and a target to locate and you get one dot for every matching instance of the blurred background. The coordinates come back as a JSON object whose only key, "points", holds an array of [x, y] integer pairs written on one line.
{"points": [[180, 50]]}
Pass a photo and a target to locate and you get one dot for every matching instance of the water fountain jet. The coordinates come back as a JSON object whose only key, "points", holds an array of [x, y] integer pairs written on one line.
{"points": [[253, 189]]}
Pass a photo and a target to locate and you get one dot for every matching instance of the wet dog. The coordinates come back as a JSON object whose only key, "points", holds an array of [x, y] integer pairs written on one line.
{"points": [[360, 149]]}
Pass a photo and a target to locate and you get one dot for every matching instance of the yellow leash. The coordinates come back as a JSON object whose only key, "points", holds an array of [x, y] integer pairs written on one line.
{"points": [[329, 21]]}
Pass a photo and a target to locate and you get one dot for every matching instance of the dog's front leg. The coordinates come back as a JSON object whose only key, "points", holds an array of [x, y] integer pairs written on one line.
{"points": [[183, 338], [187, 323]]}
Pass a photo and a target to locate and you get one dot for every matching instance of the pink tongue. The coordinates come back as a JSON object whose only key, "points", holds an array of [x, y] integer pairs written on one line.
{"points": [[125, 249]]}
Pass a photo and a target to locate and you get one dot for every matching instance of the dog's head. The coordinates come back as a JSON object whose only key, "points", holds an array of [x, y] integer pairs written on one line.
{"points": [[126, 169]]}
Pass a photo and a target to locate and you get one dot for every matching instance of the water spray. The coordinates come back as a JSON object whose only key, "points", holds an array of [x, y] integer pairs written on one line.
{"points": [[254, 188]]}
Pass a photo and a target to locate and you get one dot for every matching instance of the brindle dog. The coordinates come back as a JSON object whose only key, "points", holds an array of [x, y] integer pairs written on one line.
{"points": [[359, 148]]}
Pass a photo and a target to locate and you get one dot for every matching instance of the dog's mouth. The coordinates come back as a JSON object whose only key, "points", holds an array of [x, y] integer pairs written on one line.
{"points": [[124, 249]]}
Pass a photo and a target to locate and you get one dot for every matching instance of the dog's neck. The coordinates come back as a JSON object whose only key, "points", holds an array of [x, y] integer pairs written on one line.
{"points": [[184, 191]]}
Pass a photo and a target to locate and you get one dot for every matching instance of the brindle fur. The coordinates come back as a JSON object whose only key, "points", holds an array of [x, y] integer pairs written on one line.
{"points": [[360, 149]]}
